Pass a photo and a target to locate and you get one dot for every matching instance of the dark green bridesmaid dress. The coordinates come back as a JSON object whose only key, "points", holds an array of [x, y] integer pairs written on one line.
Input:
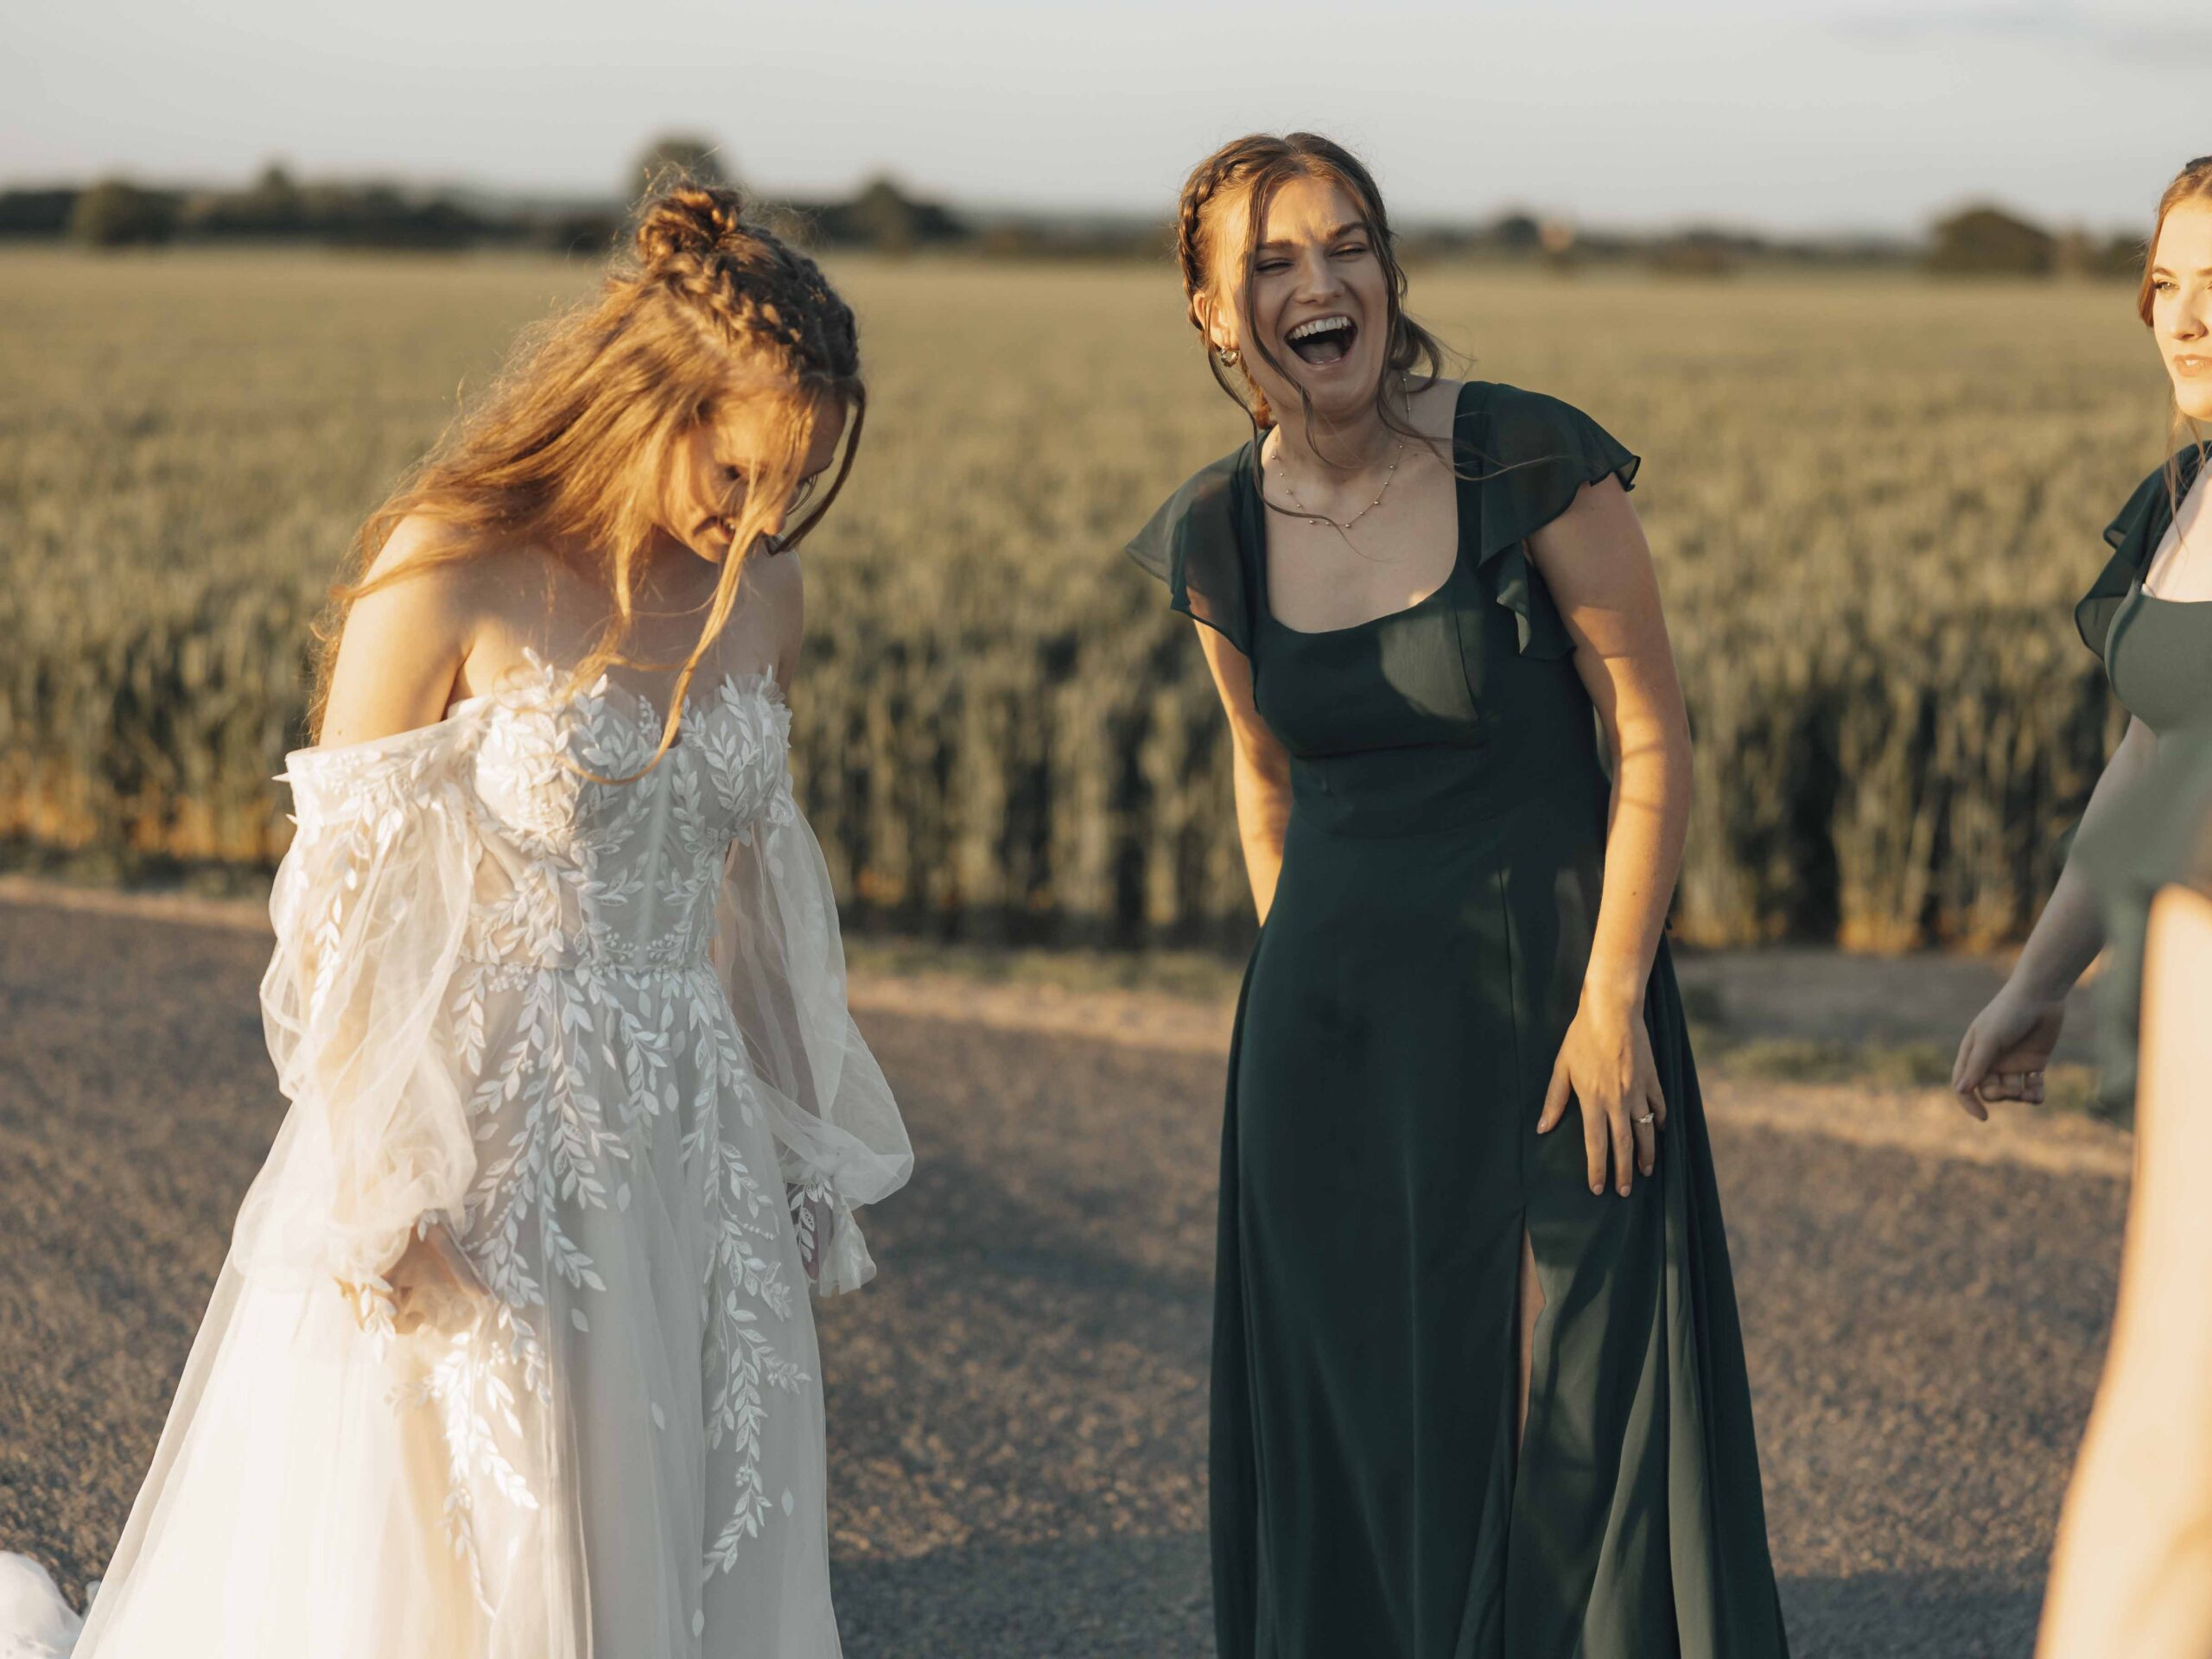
{"points": [[1380, 1162], [2157, 656]]}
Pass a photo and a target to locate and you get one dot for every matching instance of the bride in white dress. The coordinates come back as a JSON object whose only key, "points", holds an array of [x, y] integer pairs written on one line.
{"points": [[512, 1356]]}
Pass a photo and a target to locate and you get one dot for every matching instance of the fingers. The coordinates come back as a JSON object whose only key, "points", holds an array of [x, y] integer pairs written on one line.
{"points": [[1623, 1145], [1608, 1143], [1555, 1098], [1647, 1134], [1970, 1069], [2024, 1086], [1973, 1060], [1596, 1143]]}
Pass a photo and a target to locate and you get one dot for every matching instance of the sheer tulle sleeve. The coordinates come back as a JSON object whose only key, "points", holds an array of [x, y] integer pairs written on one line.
{"points": [[777, 950], [370, 906]]}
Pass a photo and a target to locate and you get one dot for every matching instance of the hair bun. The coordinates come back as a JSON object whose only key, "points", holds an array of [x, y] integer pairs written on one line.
{"points": [[691, 220]]}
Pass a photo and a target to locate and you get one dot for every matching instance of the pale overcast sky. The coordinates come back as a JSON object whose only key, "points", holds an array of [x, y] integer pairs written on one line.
{"points": [[1827, 114]]}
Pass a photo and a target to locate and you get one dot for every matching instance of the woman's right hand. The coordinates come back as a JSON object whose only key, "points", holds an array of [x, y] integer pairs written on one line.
{"points": [[2005, 1050]]}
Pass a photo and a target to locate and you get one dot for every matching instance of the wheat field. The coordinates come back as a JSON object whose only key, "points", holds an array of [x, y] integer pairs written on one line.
{"points": [[1873, 501]]}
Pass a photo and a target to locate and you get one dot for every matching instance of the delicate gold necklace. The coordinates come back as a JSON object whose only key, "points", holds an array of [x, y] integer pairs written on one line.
{"points": [[1397, 454], [1343, 530]]}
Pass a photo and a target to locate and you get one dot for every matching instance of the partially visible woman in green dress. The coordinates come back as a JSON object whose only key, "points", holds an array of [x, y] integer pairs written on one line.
{"points": [[1478, 1389], [2132, 1570], [2148, 617]]}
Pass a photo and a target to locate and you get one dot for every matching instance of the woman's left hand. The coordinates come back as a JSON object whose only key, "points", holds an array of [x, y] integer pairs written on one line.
{"points": [[1605, 1063]]}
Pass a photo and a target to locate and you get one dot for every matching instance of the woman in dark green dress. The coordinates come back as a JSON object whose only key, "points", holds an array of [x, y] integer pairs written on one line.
{"points": [[1478, 1391], [2147, 617], [2132, 1570]]}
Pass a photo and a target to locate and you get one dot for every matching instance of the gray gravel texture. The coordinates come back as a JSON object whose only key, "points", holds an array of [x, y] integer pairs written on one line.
{"points": [[1017, 1405]]}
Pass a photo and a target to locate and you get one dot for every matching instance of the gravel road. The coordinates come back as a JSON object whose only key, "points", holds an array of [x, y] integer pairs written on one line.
{"points": [[1017, 1406]]}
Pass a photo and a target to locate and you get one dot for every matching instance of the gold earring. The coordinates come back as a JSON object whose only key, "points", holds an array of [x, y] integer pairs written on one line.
{"points": [[1229, 356]]}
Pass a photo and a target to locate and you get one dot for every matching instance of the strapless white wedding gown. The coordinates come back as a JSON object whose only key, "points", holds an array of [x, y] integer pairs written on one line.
{"points": [[597, 1034]]}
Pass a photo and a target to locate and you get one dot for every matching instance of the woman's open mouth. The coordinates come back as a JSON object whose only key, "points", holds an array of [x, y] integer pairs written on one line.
{"points": [[1324, 339], [2192, 362]]}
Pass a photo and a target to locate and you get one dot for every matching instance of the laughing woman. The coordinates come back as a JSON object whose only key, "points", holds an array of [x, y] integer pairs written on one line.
{"points": [[1478, 1391]]}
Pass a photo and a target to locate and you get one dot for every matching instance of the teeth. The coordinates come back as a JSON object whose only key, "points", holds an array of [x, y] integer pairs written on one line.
{"points": [[1319, 326]]}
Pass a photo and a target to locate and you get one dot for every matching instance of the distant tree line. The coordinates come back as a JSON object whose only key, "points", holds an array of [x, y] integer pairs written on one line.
{"points": [[882, 216], [1987, 241], [119, 213]]}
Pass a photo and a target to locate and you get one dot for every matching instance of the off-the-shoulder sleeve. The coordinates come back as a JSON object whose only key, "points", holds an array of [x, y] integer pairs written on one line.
{"points": [[1201, 543], [370, 907], [778, 951], [1526, 457], [2133, 536], [2157, 834]]}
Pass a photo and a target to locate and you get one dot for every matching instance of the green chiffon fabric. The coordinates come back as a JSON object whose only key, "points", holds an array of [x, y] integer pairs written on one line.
{"points": [[2157, 656], [1418, 970]]}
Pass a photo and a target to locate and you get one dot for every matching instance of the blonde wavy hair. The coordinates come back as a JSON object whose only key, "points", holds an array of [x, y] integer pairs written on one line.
{"points": [[572, 440]]}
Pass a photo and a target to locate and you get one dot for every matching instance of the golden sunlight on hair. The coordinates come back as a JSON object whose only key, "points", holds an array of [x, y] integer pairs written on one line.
{"points": [[572, 443]]}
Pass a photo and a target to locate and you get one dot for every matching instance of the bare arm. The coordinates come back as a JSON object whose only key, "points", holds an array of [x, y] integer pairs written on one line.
{"points": [[2068, 935], [2003, 1055], [2132, 1572], [399, 661], [1596, 562], [1261, 769], [400, 655]]}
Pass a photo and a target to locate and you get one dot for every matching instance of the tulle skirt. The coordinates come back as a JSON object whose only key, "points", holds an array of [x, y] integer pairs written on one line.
{"points": [[634, 1468]]}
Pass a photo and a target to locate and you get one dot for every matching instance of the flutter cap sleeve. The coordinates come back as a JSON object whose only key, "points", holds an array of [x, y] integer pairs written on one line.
{"points": [[370, 906], [2158, 834], [2133, 535], [1202, 543], [1526, 457], [781, 960]]}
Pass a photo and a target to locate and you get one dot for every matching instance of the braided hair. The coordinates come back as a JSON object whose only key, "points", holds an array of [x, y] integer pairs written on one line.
{"points": [[695, 246], [570, 445]]}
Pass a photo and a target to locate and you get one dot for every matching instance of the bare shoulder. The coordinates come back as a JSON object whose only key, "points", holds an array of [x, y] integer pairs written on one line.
{"points": [[777, 579], [406, 637], [777, 583], [1433, 406]]}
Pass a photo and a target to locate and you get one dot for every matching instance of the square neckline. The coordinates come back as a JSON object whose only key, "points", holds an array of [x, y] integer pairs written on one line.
{"points": [[1255, 474]]}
